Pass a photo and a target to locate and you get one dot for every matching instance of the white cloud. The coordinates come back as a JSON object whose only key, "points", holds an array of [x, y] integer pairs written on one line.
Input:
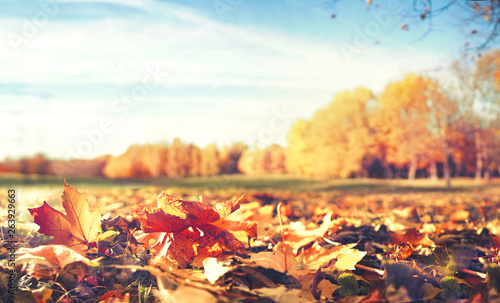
{"points": [[203, 52], [134, 3], [192, 50]]}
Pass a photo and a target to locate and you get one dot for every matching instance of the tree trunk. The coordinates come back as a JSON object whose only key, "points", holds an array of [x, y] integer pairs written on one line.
{"points": [[484, 153], [433, 171], [479, 156], [446, 166], [458, 168], [387, 168], [413, 169]]}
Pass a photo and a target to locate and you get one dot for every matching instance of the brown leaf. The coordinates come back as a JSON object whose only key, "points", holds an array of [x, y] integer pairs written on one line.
{"points": [[115, 296], [42, 295], [318, 277], [275, 259], [77, 228], [413, 237], [45, 261]]}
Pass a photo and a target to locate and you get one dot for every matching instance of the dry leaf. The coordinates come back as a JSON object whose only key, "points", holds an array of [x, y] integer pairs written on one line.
{"points": [[195, 230], [284, 295], [42, 295], [343, 257], [45, 261], [459, 215], [77, 228], [276, 259], [214, 269]]}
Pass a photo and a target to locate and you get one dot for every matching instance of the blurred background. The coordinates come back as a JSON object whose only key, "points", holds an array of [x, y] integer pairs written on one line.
{"points": [[138, 89]]}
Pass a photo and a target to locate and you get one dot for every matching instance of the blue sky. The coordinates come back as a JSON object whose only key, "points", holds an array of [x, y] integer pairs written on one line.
{"points": [[82, 78]]}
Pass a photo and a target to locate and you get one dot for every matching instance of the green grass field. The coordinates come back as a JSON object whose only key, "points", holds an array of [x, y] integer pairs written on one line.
{"points": [[267, 183]]}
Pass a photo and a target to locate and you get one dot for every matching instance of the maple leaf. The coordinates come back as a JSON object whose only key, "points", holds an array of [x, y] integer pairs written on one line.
{"points": [[174, 215], [412, 236], [77, 228], [195, 230]]}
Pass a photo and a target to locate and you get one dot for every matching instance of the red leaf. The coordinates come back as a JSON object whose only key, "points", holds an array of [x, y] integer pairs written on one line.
{"points": [[195, 230]]}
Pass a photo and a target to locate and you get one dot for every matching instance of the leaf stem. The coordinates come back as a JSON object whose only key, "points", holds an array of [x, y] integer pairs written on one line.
{"points": [[282, 234], [377, 271], [475, 273]]}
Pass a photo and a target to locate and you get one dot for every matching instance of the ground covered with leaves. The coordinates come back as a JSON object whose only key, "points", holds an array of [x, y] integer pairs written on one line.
{"points": [[147, 246]]}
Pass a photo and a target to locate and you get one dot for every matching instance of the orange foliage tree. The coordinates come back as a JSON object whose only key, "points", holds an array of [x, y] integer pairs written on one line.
{"points": [[270, 160], [486, 108], [137, 161], [401, 122], [336, 141], [209, 164], [229, 157]]}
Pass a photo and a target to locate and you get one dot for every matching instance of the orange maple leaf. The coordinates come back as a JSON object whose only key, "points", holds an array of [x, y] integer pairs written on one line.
{"points": [[77, 228]]}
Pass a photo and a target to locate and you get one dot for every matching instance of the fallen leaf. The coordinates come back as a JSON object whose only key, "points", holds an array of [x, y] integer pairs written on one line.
{"points": [[413, 237], [214, 269], [114, 296], [284, 295], [195, 230], [275, 259], [45, 261], [459, 215], [341, 257], [42, 295], [77, 228]]}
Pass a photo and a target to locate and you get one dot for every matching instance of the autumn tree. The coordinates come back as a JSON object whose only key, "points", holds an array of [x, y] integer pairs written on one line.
{"points": [[276, 159], [81, 168], [402, 120], [229, 157], [121, 166], [137, 161], [445, 126], [480, 102], [38, 164], [486, 107], [178, 159], [195, 156], [269, 160], [299, 153], [209, 164], [336, 140], [150, 160]]}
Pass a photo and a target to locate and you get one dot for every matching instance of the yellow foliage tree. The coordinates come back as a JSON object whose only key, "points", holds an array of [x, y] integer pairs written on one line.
{"points": [[401, 121], [209, 164], [336, 140]]}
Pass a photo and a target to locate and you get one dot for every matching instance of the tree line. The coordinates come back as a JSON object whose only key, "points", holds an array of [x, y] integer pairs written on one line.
{"points": [[442, 123], [416, 124]]}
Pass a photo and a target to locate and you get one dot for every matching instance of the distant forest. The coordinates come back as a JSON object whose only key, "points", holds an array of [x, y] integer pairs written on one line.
{"points": [[422, 125]]}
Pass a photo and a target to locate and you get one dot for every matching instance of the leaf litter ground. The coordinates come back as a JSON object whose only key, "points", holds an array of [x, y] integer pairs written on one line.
{"points": [[262, 246]]}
